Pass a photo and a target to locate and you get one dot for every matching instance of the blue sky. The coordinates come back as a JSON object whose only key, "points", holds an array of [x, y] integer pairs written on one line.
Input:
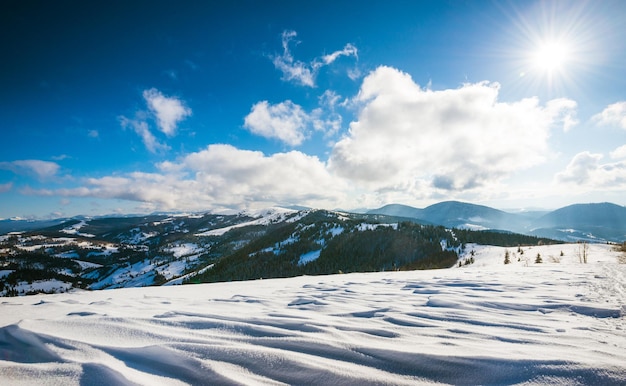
{"points": [[135, 107]]}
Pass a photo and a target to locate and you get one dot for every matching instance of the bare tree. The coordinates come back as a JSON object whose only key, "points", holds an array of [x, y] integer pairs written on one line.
{"points": [[583, 252]]}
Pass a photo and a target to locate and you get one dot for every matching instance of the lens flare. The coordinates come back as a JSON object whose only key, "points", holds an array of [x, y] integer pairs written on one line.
{"points": [[550, 56]]}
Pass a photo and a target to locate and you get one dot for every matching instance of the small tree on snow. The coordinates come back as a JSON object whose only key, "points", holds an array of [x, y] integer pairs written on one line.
{"points": [[583, 252], [538, 260], [507, 257]]}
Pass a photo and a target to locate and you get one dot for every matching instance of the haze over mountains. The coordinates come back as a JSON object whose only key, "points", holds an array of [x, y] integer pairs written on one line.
{"points": [[587, 222]]}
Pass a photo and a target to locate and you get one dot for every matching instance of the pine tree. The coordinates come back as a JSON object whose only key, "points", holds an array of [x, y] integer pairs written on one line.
{"points": [[507, 258], [538, 260]]}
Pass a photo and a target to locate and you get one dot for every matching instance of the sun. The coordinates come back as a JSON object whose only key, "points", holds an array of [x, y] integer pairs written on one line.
{"points": [[550, 56]]}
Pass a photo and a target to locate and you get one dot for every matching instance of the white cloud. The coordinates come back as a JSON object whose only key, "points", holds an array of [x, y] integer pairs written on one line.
{"points": [[285, 121], [325, 118], [169, 111], [289, 123], [293, 70], [416, 140], [301, 72], [348, 50], [564, 111], [580, 168], [407, 144], [239, 176], [141, 128], [37, 168], [619, 153], [586, 172], [613, 115], [221, 176]]}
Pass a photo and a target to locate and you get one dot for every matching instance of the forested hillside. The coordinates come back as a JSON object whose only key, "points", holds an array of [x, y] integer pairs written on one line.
{"points": [[166, 250]]}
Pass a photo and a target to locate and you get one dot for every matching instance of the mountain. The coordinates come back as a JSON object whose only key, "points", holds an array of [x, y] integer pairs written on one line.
{"points": [[166, 249], [21, 225], [398, 210], [586, 222], [101, 253], [601, 221], [455, 214]]}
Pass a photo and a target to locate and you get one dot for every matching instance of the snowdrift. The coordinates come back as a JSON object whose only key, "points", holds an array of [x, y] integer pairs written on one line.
{"points": [[558, 322]]}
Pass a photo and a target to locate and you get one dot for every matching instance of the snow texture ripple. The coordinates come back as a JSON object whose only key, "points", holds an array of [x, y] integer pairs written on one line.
{"points": [[487, 323]]}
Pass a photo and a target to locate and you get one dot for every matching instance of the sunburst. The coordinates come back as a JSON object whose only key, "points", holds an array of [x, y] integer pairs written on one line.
{"points": [[550, 56]]}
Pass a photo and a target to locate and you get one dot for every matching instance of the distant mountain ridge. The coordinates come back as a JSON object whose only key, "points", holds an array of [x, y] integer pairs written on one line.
{"points": [[589, 222]]}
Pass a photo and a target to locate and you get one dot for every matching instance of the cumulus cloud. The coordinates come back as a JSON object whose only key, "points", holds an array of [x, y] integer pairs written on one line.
{"points": [[586, 171], [169, 111], [580, 168], [407, 138], [37, 168], [285, 121], [407, 143], [301, 72], [613, 115], [290, 123], [619, 153], [221, 176]]}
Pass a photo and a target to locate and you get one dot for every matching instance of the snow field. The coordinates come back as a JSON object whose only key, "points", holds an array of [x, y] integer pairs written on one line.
{"points": [[484, 323]]}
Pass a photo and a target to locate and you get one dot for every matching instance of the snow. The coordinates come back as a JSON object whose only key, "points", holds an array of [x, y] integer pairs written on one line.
{"points": [[485, 323], [51, 285], [172, 269], [308, 257], [87, 265], [139, 274], [185, 249], [179, 280], [370, 227], [336, 231], [261, 217], [139, 237], [473, 227], [68, 255], [74, 229]]}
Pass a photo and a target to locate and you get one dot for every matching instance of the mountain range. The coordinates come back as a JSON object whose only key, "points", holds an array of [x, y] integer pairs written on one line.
{"points": [[160, 249], [596, 222], [165, 249]]}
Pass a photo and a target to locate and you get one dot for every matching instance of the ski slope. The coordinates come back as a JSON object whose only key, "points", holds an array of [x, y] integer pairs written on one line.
{"points": [[559, 322]]}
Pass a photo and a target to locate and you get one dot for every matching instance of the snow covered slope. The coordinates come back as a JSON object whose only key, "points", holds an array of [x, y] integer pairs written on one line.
{"points": [[556, 322]]}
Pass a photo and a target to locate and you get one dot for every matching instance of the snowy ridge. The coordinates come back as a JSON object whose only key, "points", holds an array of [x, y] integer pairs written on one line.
{"points": [[75, 229], [261, 217], [556, 322]]}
